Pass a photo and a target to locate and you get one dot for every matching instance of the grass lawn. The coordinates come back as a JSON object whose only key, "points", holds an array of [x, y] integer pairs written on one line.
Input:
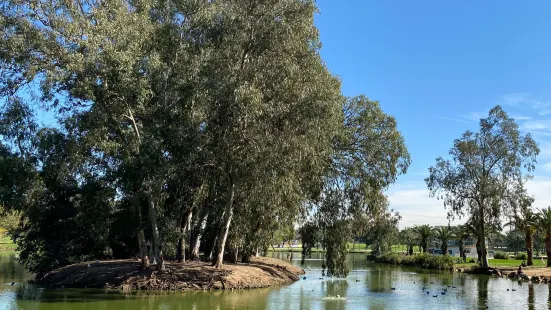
{"points": [[503, 263], [6, 244]]}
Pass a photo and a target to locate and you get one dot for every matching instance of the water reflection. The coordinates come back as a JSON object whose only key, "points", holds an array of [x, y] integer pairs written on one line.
{"points": [[369, 286], [482, 287]]}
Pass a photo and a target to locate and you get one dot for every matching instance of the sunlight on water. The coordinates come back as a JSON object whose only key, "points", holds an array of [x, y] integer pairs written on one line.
{"points": [[368, 286]]}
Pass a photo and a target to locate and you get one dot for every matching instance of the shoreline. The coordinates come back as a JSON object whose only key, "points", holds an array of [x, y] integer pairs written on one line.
{"points": [[127, 275]]}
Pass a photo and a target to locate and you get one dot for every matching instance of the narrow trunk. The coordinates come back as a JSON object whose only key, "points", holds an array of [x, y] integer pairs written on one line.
{"points": [[548, 250], [529, 249], [354, 243], [410, 250], [444, 248], [211, 254], [184, 231], [143, 249], [478, 251], [223, 235], [482, 238], [484, 253], [156, 246], [461, 249], [197, 243]]}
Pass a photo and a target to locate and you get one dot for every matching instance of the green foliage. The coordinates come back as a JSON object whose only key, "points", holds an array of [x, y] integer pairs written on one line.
{"points": [[174, 114], [424, 235], [485, 174], [501, 255], [334, 241], [520, 256], [423, 260]]}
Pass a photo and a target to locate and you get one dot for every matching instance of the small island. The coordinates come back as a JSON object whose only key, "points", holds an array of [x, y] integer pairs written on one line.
{"points": [[127, 275]]}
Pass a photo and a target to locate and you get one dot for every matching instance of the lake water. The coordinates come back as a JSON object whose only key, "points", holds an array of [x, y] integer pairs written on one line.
{"points": [[369, 286]]}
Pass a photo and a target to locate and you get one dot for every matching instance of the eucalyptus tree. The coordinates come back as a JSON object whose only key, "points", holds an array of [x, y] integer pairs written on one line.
{"points": [[544, 223], [525, 221], [270, 102], [424, 235], [383, 231], [485, 171], [369, 153], [444, 234]]}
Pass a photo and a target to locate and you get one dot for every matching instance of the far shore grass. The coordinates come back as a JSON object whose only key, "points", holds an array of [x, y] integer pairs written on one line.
{"points": [[362, 248]]}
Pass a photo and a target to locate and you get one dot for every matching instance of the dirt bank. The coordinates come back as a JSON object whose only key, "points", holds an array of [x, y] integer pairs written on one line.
{"points": [[192, 275], [530, 271]]}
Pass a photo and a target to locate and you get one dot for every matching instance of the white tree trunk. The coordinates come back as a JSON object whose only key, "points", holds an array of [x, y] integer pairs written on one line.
{"points": [[223, 235]]}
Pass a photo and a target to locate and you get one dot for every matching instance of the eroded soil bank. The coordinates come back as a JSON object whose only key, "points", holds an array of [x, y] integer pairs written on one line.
{"points": [[192, 275]]}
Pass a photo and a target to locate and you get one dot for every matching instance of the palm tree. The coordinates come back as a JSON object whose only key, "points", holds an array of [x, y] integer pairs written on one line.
{"points": [[544, 223], [462, 232], [424, 232], [444, 234], [409, 238], [526, 222]]}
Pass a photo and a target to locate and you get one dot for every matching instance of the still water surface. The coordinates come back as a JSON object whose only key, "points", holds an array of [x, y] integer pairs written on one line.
{"points": [[369, 286]]}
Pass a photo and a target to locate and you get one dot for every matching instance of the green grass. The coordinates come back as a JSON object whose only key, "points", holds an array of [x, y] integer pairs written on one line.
{"points": [[502, 263], [6, 244]]}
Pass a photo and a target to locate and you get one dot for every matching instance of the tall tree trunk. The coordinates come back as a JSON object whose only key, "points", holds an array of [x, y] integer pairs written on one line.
{"points": [[142, 244], [462, 249], [156, 244], [548, 250], [353, 243], [184, 232], [478, 250], [144, 258], [410, 250], [484, 253], [444, 248], [197, 242], [529, 249], [223, 235]]}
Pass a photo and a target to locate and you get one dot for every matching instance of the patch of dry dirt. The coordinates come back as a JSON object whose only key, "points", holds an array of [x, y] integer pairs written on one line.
{"points": [[191, 275]]}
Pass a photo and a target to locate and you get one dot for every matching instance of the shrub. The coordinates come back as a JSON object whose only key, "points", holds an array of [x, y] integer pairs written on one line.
{"points": [[501, 255], [423, 260], [521, 256]]}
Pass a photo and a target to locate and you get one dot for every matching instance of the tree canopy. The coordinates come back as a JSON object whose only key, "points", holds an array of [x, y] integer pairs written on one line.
{"points": [[182, 127], [485, 172]]}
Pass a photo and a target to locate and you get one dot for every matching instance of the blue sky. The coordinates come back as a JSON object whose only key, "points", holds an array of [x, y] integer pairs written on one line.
{"points": [[438, 66]]}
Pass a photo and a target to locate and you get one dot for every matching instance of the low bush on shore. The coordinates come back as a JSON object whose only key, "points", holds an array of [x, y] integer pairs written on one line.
{"points": [[501, 255], [423, 260]]}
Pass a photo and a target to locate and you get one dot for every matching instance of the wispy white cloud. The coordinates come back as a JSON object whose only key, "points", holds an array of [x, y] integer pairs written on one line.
{"points": [[455, 119], [539, 125], [547, 166], [415, 205], [521, 118], [474, 116], [520, 100]]}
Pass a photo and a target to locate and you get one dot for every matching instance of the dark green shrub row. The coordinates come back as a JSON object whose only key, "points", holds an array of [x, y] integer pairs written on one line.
{"points": [[424, 260], [501, 255], [521, 256]]}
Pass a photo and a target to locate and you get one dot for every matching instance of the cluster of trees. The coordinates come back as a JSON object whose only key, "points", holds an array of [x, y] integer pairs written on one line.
{"points": [[529, 223], [528, 227], [182, 127]]}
